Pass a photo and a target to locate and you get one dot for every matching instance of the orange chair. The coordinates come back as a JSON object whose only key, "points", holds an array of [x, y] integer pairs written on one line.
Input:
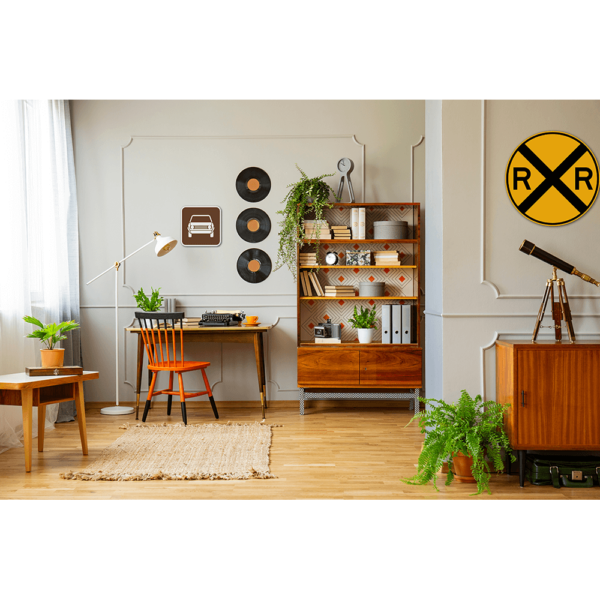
{"points": [[156, 327]]}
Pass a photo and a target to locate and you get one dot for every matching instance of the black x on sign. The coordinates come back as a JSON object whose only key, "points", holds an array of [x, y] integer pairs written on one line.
{"points": [[552, 178]]}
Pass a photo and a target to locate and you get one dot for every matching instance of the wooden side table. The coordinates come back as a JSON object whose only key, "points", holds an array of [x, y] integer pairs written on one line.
{"points": [[19, 389]]}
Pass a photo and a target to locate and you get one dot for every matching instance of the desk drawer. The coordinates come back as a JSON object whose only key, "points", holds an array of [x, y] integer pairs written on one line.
{"points": [[328, 366]]}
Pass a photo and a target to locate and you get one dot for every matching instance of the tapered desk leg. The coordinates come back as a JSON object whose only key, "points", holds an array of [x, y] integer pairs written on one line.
{"points": [[27, 404], [262, 364], [81, 415], [259, 369], [138, 385], [41, 426]]}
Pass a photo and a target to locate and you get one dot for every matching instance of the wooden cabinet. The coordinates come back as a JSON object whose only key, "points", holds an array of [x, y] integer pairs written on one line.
{"points": [[391, 366], [328, 367], [554, 394]]}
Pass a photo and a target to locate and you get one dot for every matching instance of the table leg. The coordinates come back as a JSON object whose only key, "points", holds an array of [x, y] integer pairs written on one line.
{"points": [[259, 369], [262, 362], [138, 385], [27, 404], [41, 426], [79, 402]]}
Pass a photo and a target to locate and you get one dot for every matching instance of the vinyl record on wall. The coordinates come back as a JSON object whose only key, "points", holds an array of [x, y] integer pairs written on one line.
{"points": [[254, 265], [253, 184], [253, 225]]}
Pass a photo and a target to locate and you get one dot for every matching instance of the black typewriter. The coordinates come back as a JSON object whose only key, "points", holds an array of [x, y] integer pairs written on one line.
{"points": [[222, 318]]}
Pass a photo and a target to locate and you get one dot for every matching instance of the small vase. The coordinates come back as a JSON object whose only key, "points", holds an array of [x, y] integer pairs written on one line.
{"points": [[365, 336], [461, 467], [53, 358]]}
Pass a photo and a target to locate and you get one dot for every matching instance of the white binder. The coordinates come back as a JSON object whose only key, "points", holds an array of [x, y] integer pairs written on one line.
{"points": [[396, 324], [406, 324], [386, 324]]}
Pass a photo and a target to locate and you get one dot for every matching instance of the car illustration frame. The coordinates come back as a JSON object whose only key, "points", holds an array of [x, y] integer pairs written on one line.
{"points": [[201, 223]]}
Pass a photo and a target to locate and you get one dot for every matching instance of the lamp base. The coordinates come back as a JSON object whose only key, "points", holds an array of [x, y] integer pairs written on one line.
{"points": [[117, 410]]}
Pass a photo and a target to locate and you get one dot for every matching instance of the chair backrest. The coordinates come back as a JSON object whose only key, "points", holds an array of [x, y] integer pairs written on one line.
{"points": [[155, 328]]}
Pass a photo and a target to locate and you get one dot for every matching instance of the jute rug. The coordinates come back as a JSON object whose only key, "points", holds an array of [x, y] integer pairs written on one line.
{"points": [[210, 451]]}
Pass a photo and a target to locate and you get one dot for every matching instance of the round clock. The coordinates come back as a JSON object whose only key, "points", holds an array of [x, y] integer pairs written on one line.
{"points": [[331, 258], [345, 165]]}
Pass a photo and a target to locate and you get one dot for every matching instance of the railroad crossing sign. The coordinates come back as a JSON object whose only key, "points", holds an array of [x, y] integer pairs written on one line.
{"points": [[552, 178]]}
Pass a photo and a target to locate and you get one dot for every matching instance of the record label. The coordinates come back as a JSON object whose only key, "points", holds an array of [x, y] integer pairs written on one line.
{"points": [[254, 265], [253, 225], [253, 184]]}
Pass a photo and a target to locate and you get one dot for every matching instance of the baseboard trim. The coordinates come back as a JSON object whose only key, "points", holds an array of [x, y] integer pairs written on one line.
{"points": [[275, 404]]}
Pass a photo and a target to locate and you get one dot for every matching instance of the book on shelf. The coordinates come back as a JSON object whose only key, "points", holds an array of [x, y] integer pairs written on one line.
{"points": [[303, 283], [355, 223], [316, 284], [340, 295], [316, 221], [362, 218], [340, 227], [327, 341]]}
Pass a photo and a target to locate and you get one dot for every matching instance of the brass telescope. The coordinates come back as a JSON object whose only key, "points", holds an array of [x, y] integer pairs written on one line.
{"points": [[561, 310]]}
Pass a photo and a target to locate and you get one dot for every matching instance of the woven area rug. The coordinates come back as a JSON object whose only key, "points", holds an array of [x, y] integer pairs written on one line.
{"points": [[211, 451]]}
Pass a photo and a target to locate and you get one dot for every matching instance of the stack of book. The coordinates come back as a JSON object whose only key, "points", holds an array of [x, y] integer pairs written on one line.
{"points": [[308, 281], [341, 232], [339, 291], [322, 226], [191, 321], [308, 259], [387, 259]]}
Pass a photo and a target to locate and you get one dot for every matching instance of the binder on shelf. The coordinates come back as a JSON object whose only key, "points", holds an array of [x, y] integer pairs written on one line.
{"points": [[386, 324], [406, 323], [396, 324], [355, 223]]}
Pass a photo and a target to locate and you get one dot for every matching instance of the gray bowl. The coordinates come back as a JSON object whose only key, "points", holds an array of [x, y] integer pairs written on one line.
{"points": [[371, 288]]}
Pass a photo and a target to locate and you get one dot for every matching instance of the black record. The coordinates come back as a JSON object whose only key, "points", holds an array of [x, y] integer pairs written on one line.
{"points": [[254, 265], [253, 184], [253, 225]]}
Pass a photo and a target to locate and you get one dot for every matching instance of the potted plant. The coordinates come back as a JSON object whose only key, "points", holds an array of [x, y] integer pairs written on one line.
{"points": [[307, 196], [462, 433], [50, 335], [364, 323], [151, 304]]}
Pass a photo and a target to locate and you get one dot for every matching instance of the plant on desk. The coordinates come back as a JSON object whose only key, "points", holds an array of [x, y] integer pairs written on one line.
{"points": [[364, 322], [151, 304], [50, 335], [307, 196], [463, 433]]}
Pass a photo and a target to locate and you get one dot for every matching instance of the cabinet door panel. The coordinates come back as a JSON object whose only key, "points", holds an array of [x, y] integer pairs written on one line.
{"points": [[327, 366], [391, 366]]}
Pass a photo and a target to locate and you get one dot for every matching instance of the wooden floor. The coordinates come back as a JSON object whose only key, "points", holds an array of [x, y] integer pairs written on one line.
{"points": [[340, 451]]}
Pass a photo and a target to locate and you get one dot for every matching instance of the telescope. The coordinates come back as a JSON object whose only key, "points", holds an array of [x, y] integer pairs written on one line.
{"points": [[561, 310]]}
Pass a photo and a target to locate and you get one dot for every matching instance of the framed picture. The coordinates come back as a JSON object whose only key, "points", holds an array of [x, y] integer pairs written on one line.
{"points": [[201, 226]]}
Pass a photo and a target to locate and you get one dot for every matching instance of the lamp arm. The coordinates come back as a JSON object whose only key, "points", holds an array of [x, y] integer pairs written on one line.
{"points": [[118, 264]]}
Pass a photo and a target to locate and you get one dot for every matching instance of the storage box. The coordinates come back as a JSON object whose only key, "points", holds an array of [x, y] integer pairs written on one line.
{"points": [[371, 288], [390, 230], [359, 258]]}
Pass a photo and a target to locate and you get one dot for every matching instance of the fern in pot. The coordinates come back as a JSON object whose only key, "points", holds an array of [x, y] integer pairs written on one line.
{"points": [[462, 433], [364, 323], [306, 197]]}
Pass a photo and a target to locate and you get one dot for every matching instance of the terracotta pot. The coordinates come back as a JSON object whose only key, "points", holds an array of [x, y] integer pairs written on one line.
{"points": [[53, 358], [461, 467]]}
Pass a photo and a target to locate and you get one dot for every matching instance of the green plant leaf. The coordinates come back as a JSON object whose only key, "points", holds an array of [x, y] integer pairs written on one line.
{"points": [[33, 321]]}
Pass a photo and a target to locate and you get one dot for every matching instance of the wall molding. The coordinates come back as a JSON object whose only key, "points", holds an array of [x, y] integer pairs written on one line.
{"points": [[483, 279], [493, 315]]}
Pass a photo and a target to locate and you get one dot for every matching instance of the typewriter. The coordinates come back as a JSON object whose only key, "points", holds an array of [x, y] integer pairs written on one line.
{"points": [[222, 318]]}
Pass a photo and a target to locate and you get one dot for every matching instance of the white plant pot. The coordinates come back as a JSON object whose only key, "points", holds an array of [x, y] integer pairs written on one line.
{"points": [[365, 336]]}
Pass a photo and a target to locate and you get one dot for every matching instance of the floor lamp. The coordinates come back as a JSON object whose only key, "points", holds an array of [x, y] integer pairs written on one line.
{"points": [[164, 245]]}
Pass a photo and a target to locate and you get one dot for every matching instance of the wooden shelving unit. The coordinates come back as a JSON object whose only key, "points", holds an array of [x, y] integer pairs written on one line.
{"points": [[351, 364]]}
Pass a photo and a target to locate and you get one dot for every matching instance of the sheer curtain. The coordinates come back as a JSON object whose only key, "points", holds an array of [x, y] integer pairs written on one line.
{"points": [[39, 264]]}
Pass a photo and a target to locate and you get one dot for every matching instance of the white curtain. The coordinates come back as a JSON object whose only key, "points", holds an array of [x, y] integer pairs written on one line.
{"points": [[39, 268]]}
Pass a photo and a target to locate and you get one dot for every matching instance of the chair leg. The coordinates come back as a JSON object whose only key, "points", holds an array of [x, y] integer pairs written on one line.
{"points": [[170, 397], [182, 398], [210, 396], [149, 400]]}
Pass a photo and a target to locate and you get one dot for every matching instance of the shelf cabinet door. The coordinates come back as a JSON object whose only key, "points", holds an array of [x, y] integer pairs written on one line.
{"points": [[557, 398], [327, 367], [392, 366]]}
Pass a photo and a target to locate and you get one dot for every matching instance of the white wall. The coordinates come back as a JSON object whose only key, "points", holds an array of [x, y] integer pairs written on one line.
{"points": [[491, 290], [103, 133]]}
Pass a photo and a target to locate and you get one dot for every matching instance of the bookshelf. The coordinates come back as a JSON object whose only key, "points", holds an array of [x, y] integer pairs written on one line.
{"points": [[366, 368]]}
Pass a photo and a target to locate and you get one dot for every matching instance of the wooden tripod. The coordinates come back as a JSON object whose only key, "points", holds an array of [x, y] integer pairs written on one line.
{"points": [[560, 310]]}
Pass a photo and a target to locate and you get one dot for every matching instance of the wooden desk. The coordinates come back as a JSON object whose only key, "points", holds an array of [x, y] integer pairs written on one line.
{"points": [[231, 335], [19, 389]]}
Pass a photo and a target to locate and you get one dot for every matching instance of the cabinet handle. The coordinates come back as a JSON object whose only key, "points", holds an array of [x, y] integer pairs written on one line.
{"points": [[522, 397]]}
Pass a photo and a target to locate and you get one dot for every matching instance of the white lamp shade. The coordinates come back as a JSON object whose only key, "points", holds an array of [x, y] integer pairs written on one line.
{"points": [[164, 244]]}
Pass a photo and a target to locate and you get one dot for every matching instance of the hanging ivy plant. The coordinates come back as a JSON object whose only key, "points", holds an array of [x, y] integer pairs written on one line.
{"points": [[306, 197]]}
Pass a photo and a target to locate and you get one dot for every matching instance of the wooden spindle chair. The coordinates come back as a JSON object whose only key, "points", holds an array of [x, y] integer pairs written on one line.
{"points": [[157, 328]]}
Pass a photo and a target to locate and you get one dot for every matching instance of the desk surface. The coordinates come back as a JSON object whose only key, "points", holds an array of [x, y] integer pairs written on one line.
{"points": [[21, 381], [233, 329]]}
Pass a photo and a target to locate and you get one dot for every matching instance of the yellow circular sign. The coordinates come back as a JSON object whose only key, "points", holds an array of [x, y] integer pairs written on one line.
{"points": [[552, 178]]}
